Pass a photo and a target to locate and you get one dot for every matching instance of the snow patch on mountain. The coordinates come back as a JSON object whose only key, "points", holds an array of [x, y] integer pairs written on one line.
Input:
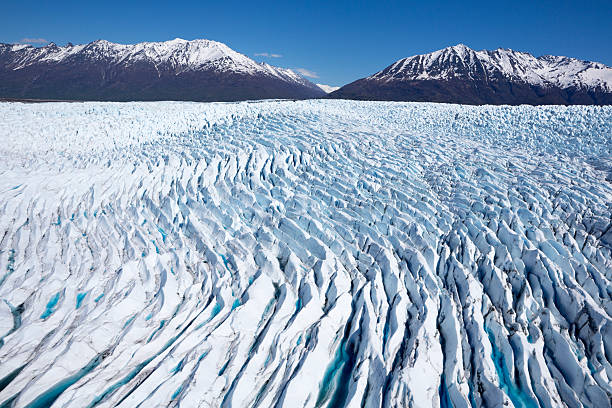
{"points": [[328, 88]]}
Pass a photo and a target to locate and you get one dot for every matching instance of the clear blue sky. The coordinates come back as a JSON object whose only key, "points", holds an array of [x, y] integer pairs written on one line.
{"points": [[340, 41]]}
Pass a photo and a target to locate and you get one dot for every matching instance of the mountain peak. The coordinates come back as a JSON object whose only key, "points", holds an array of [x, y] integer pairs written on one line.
{"points": [[181, 54], [499, 64], [199, 57], [459, 74], [460, 48]]}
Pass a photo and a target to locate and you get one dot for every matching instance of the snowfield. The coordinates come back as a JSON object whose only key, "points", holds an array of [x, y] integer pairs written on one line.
{"points": [[305, 254]]}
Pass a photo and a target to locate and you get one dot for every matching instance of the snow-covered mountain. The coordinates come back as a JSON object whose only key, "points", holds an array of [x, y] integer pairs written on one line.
{"points": [[462, 75], [328, 88], [177, 69], [316, 254]]}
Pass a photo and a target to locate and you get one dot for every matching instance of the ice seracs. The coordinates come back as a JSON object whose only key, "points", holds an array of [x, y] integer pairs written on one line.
{"points": [[309, 254]]}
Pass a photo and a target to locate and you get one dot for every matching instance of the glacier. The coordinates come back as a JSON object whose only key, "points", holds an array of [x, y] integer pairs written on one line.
{"points": [[305, 254]]}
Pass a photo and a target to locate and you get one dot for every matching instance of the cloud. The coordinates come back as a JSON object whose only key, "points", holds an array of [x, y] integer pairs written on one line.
{"points": [[307, 73], [33, 41], [268, 55]]}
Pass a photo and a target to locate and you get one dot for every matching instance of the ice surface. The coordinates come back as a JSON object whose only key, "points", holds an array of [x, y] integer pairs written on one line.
{"points": [[313, 253]]}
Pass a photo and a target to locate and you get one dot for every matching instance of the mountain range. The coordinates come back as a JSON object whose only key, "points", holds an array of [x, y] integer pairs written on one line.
{"points": [[204, 70], [198, 70], [460, 74]]}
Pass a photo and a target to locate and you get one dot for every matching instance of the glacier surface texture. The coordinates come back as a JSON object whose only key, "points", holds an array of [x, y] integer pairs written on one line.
{"points": [[305, 254]]}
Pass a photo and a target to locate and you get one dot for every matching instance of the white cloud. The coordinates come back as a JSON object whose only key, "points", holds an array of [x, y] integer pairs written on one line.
{"points": [[268, 55], [33, 41], [307, 73], [328, 88]]}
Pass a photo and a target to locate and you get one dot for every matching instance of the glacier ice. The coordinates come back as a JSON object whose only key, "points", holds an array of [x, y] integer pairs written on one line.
{"points": [[312, 253]]}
